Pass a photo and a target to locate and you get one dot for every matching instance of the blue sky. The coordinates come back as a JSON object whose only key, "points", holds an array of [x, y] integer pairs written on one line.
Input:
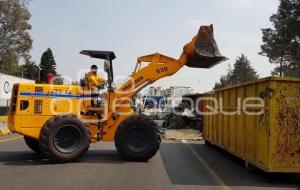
{"points": [[138, 27]]}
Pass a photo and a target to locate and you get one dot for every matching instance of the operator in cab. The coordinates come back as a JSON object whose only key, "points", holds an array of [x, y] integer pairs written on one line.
{"points": [[94, 80]]}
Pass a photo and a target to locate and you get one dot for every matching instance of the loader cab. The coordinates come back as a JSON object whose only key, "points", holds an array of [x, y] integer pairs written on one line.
{"points": [[108, 56]]}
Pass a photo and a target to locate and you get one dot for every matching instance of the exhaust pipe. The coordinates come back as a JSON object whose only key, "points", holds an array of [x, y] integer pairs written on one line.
{"points": [[202, 51]]}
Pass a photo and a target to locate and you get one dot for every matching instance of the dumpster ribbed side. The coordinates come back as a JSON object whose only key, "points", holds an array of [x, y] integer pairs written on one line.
{"points": [[270, 140]]}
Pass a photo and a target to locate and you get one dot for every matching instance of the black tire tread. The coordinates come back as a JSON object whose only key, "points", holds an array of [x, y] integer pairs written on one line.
{"points": [[44, 134], [138, 119]]}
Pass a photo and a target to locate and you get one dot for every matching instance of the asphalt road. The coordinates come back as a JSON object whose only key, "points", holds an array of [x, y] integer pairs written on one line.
{"points": [[178, 165]]}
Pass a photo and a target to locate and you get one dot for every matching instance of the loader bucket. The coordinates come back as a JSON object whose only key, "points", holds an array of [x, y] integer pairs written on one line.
{"points": [[202, 51]]}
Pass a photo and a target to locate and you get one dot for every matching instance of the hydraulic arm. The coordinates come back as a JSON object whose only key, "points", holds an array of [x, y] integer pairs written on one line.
{"points": [[201, 52]]}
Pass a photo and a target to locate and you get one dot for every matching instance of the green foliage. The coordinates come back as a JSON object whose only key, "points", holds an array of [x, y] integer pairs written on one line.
{"points": [[242, 72], [58, 79], [30, 69], [15, 40], [47, 64], [9, 64], [282, 44], [225, 79]]}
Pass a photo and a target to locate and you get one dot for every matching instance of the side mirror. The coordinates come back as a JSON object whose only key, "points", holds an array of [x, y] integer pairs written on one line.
{"points": [[106, 66]]}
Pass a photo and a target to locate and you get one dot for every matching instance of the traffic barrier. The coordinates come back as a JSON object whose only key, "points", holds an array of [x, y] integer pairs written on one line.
{"points": [[3, 126], [4, 131]]}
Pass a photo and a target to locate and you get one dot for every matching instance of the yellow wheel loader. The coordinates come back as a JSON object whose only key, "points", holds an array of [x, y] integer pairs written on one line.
{"points": [[60, 121]]}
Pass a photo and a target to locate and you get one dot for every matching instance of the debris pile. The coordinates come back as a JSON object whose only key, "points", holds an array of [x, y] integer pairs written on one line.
{"points": [[182, 122], [176, 121]]}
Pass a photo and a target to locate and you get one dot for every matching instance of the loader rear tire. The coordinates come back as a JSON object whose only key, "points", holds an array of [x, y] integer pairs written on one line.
{"points": [[64, 138], [137, 138], [33, 144]]}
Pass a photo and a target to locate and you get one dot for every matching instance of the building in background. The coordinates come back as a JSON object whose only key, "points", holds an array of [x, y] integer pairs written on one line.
{"points": [[156, 101], [6, 84], [174, 95]]}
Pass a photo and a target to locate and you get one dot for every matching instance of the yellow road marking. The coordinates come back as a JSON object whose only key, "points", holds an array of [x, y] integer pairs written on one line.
{"points": [[10, 139], [211, 172]]}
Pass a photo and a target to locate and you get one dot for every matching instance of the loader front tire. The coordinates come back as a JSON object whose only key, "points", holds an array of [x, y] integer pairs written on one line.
{"points": [[64, 138], [137, 138], [33, 144]]}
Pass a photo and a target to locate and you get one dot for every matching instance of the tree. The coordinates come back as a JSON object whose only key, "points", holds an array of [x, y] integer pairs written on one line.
{"points": [[225, 79], [30, 69], [15, 40], [58, 79], [9, 64], [47, 64], [282, 44], [242, 72]]}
